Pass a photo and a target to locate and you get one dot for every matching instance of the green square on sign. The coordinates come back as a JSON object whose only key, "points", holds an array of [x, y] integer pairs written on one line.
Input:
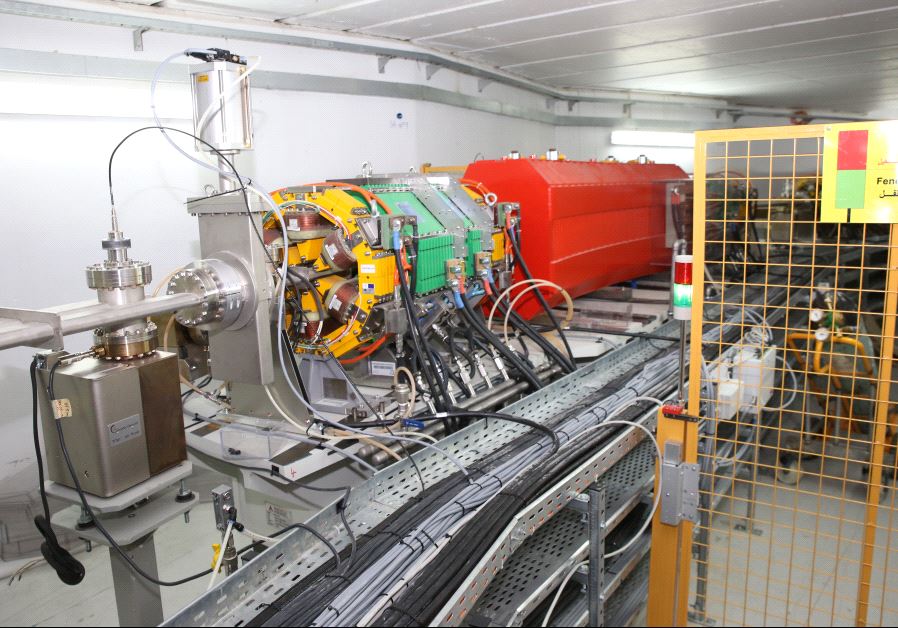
{"points": [[850, 189]]}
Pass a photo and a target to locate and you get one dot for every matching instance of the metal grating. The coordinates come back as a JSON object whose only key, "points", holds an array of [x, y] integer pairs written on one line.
{"points": [[533, 571], [542, 556]]}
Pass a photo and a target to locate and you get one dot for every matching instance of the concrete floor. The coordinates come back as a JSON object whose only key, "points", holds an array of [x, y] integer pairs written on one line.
{"points": [[40, 599], [801, 564]]}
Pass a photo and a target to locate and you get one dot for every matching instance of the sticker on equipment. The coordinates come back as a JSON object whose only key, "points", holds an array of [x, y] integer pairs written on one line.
{"points": [[62, 408], [124, 430], [382, 368], [278, 517]]}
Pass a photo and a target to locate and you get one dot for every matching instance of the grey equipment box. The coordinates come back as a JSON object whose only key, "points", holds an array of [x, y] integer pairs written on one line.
{"points": [[126, 425]]}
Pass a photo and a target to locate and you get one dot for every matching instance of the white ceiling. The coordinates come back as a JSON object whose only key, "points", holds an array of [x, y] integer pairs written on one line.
{"points": [[829, 54]]}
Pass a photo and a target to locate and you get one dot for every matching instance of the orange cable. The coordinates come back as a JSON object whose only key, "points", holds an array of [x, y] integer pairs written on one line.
{"points": [[367, 194], [367, 351]]}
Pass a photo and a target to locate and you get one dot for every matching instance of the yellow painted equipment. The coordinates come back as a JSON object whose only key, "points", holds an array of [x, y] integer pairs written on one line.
{"points": [[341, 211]]}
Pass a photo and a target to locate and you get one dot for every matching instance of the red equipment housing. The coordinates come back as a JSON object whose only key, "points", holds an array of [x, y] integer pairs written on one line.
{"points": [[585, 224]]}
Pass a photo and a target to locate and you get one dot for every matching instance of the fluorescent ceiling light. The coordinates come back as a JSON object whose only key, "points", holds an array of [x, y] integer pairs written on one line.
{"points": [[653, 138]]}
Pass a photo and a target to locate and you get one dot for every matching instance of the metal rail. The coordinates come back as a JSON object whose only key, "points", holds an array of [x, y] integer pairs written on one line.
{"points": [[533, 572], [532, 518], [621, 604], [36, 328]]}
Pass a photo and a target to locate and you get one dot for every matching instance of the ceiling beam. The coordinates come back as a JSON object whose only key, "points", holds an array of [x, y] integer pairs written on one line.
{"points": [[85, 66], [184, 23], [162, 19]]}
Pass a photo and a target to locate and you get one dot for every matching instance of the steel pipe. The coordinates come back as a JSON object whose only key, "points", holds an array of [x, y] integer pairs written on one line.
{"points": [[78, 317]]}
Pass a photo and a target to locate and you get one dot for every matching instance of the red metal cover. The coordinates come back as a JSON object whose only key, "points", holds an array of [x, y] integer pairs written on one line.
{"points": [[585, 224]]}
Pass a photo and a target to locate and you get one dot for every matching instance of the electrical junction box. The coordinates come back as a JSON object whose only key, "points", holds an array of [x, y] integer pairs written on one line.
{"points": [[729, 399], [756, 373], [744, 379]]}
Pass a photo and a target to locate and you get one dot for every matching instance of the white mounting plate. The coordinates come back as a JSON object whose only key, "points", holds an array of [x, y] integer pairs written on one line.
{"points": [[132, 525], [127, 498]]}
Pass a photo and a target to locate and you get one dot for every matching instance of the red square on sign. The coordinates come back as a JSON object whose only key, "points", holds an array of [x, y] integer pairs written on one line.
{"points": [[852, 150]]}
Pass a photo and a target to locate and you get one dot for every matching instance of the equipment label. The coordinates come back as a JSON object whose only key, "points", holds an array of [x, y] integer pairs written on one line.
{"points": [[124, 430], [62, 408], [367, 268], [860, 173], [278, 517], [386, 369]]}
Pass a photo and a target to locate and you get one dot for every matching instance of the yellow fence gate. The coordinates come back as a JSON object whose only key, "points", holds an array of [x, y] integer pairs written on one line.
{"points": [[791, 415]]}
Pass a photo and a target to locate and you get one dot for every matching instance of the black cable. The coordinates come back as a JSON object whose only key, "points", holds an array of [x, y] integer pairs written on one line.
{"points": [[218, 153], [472, 366], [96, 521], [205, 382], [508, 354], [37, 443], [296, 374], [448, 374], [412, 460], [297, 526], [542, 300], [307, 598], [272, 472], [530, 331], [310, 287], [341, 508], [427, 358], [443, 392], [548, 348], [461, 414], [301, 603], [416, 333], [525, 352], [375, 413], [67, 567], [237, 176]]}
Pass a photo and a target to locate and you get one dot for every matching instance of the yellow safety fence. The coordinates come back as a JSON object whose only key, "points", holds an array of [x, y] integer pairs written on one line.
{"points": [[791, 373]]}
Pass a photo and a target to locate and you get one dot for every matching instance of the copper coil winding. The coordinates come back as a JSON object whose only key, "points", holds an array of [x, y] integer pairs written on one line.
{"points": [[341, 299], [337, 251], [304, 220]]}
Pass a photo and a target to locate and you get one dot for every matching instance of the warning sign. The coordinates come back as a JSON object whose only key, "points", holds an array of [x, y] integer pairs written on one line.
{"points": [[278, 517], [860, 173]]}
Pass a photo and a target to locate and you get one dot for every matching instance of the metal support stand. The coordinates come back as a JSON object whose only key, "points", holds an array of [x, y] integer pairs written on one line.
{"points": [[748, 523], [139, 602], [131, 518], [222, 505], [681, 383], [596, 581]]}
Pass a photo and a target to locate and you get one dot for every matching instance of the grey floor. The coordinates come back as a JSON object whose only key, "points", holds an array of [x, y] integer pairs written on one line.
{"points": [[40, 599], [801, 564]]}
